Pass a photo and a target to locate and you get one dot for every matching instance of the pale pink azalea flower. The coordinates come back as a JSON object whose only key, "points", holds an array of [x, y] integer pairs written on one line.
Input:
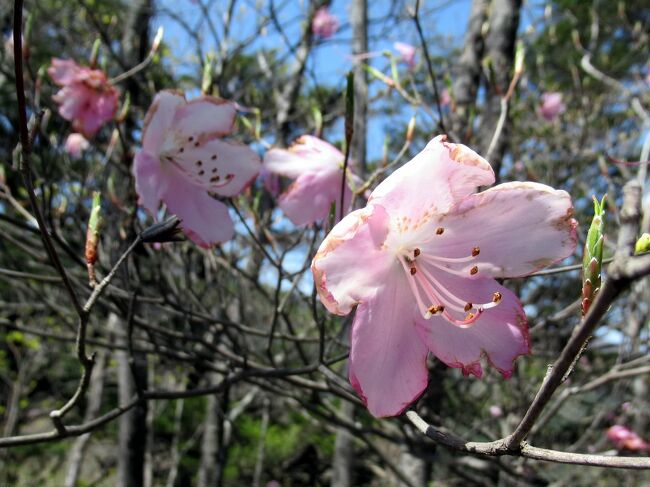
{"points": [[626, 439], [324, 24], [552, 105], [419, 262], [86, 99], [317, 168], [183, 158], [75, 144], [407, 51]]}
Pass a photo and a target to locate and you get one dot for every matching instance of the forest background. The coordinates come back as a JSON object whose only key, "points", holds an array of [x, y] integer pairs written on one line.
{"points": [[220, 366]]}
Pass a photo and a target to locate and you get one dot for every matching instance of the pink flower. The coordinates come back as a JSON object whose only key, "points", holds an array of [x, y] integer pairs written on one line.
{"points": [[551, 106], [183, 158], [317, 168], [75, 144], [419, 262], [324, 24], [407, 51], [86, 99], [626, 439]]}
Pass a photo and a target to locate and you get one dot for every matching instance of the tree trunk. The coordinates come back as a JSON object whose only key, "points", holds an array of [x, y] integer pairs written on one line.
{"points": [[500, 50], [95, 390], [342, 463], [468, 75], [359, 22], [132, 424]]}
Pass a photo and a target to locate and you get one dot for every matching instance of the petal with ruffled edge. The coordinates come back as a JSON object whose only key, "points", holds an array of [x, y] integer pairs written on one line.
{"points": [[434, 180], [518, 227], [64, 71], [159, 119], [500, 333], [225, 167], [310, 197], [204, 118], [150, 181], [204, 220], [352, 262], [387, 357]]}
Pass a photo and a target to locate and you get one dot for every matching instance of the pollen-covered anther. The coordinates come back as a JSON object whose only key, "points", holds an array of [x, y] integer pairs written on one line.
{"points": [[416, 252], [470, 316], [496, 297], [473, 270], [440, 231], [468, 306], [434, 309], [475, 251]]}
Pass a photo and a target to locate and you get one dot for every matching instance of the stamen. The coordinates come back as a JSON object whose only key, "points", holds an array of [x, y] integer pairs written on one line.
{"points": [[440, 231], [475, 251], [473, 270]]}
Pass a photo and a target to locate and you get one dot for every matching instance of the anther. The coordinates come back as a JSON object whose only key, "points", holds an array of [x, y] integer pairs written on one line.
{"points": [[214, 156], [470, 316], [475, 251], [190, 138], [196, 144], [182, 149], [214, 169], [473, 270], [468, 306], [199, 163], [201, 172], [214, 179], [440, 231], [416, 252], [433, 309], [413, 270], [496, 297]]}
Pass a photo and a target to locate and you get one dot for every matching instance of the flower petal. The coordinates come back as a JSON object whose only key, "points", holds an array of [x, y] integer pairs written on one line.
{"points": [[204, 118], [159, 119], [352, 263], [434, 180], [518, 227], [225, 167], [204, 220], [150, 180], [387, 358], [64, 71], [500, 333], [307, 154], [310, 197]]}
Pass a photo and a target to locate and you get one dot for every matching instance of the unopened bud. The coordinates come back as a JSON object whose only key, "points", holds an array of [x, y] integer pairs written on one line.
{"points": [[410, 129], [92, 236]]}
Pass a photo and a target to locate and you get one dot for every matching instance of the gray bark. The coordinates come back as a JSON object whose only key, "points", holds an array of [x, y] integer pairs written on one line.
{"points": [[132, 424], [359, 22], [500, 50], [208, 466], [468, 72], [95, 391], [342, 463]]}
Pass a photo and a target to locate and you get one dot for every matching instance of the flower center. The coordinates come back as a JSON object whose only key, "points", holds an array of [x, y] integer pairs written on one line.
{"points": [[424, 274]]}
